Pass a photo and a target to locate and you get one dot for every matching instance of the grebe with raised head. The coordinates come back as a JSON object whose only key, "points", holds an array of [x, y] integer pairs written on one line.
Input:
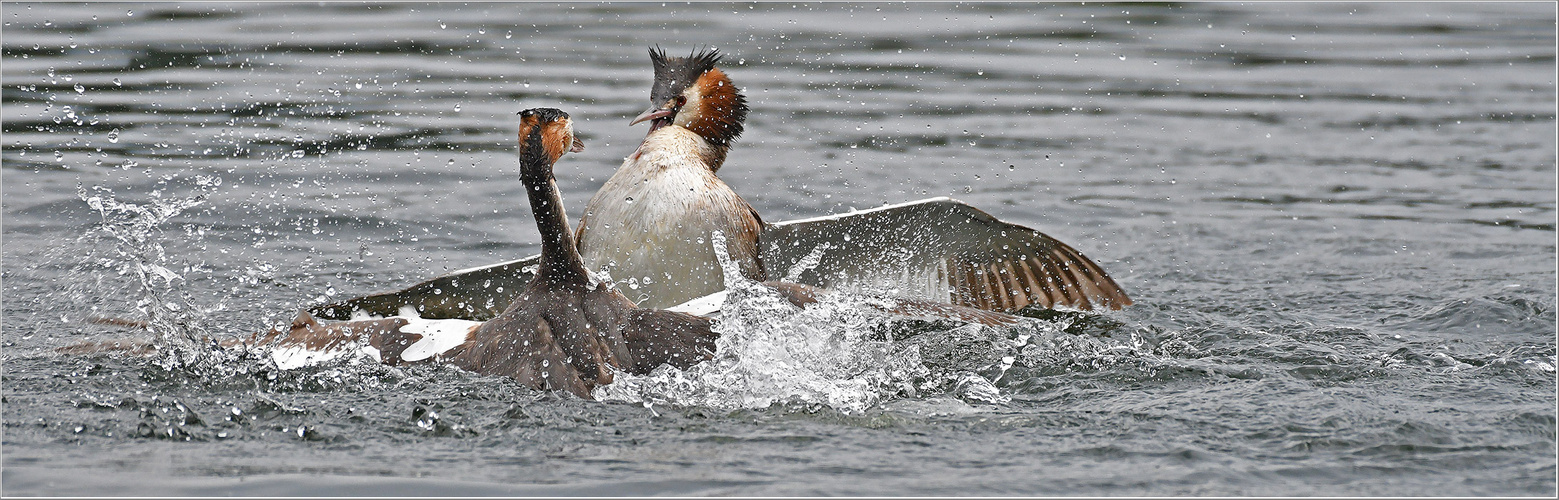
{"points": [[650, 224], [567, 330]]}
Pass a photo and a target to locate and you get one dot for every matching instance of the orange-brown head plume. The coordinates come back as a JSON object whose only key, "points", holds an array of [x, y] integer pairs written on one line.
{"points": [[720, 109]]}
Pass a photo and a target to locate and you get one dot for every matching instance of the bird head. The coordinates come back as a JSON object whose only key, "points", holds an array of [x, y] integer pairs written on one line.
{"points": [[692, 93], [545, 134]]}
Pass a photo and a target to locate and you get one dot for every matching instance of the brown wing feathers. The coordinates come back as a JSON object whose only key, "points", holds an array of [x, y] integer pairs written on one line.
{"points": [[1057, 275]]}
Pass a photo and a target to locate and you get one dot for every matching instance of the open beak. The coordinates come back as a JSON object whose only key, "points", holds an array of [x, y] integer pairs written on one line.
{"points": [[652, 114], [577, 146]]}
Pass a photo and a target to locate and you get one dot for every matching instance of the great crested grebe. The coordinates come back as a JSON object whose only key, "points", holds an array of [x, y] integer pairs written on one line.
{"points": [[649, 226], [567, 330]]}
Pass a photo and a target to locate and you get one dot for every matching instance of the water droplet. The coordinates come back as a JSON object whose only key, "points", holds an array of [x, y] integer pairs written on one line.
{"points": [[80, 89], [117, 84], [628, 200], [113, 136]]}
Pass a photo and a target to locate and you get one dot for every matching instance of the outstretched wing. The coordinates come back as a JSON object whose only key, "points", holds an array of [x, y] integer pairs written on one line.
{"points": [[476, 294], [941, 250], [656, 337]]}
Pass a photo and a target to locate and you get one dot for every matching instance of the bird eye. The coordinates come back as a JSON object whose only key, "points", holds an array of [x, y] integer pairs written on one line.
{"points": [[681, 100]]}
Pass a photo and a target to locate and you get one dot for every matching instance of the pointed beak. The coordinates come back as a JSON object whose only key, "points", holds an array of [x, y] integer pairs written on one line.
{"points": [[652, 114], [577, 146]]}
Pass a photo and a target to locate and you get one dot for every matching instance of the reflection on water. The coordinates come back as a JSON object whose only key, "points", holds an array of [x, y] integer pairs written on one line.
{"points": [[1337, 221]]}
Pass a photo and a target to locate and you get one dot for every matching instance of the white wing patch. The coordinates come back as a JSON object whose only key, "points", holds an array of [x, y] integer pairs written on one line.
{"points": [[707, 306], [853, 213], [438, 336]]}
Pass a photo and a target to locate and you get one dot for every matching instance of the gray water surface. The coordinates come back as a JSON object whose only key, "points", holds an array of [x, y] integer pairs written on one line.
{"points": [[1336, 220]]}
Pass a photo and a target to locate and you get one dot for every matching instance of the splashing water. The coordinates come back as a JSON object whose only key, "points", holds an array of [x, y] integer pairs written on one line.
{"points": [[177, 318], [842, 352], [806, 263]]}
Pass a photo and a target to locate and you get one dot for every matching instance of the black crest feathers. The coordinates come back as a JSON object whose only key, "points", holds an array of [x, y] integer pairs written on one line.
{"points": [[546, 115], [674, 74]]}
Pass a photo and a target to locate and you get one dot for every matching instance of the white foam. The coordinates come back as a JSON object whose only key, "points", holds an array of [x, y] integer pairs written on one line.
{"points": [[830, 354], [288, 358]]}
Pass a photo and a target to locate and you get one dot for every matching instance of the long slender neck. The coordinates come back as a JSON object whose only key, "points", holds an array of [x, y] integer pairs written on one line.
{"points": [[560, 260]]}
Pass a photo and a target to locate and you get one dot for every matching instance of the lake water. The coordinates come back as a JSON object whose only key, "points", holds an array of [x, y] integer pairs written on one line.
{"points": [[1336, 220]]}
